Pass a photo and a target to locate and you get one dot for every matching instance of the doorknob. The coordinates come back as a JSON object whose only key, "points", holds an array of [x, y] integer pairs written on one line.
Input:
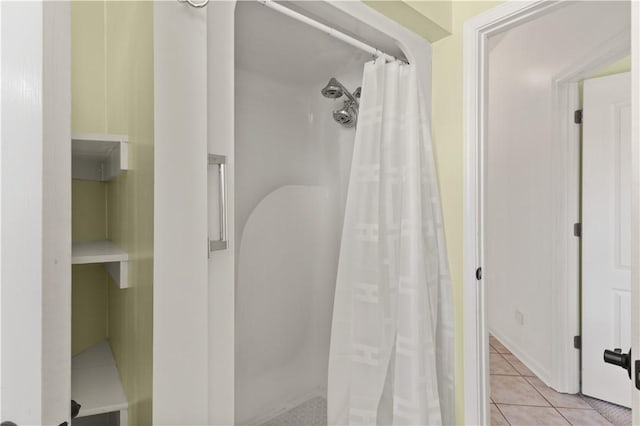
{"points": [[616, 357]]}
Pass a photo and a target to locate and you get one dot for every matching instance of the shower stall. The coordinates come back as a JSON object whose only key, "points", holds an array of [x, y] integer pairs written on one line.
{"points": [[280, 108], [292, 163]]}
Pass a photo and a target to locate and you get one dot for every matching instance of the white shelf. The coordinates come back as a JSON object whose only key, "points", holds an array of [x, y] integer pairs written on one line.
{"points": [[95, 383], [114, 258], [98, 157]]}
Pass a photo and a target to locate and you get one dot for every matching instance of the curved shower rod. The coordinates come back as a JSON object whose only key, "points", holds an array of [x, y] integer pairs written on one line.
{"points": [[315, 24]]}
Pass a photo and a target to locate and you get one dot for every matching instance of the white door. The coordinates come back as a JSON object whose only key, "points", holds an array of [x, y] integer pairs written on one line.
{"points": [[606, 235]]}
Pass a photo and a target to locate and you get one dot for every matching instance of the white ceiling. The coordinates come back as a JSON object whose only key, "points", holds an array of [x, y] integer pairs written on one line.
{"points": [[573, 30], [283, 48]]}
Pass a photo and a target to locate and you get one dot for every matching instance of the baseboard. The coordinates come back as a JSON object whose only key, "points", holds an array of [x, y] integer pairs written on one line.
{"points": [[537, 369]]}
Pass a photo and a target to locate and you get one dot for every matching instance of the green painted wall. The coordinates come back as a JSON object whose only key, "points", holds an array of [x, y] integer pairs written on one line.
{"points": [[89, 308], [447, 131], [430, 19], [623, 65], [112, 92]]}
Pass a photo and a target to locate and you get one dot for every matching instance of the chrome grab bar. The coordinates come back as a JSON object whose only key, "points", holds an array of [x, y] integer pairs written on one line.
{"points": [[221, 162]]}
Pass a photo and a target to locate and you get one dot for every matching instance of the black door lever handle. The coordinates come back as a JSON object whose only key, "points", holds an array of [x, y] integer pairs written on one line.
{"points": [[616, 357]]}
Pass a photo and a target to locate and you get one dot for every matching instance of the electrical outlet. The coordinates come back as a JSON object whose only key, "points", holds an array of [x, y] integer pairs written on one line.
{"points": [[519, 317]]}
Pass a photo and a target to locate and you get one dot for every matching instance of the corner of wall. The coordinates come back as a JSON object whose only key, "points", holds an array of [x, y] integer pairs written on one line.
{"points": [[431, 20]]}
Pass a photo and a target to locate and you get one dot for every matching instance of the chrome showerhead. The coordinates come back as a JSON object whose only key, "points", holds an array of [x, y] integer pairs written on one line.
{"points": [[347, 115], [333, 89]]}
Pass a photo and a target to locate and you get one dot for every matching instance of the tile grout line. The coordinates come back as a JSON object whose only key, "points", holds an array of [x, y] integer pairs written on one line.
{"points": [[502, 414], [544, 397], [536, 389], [508, 363], [526, 378]]}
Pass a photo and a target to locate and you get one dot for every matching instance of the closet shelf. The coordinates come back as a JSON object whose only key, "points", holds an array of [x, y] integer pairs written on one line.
{"points": [[95, 382], [115, 259], [98, 157]]}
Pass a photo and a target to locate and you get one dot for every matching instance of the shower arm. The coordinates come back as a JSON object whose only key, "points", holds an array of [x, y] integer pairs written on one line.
{"points": [[348, 94]]}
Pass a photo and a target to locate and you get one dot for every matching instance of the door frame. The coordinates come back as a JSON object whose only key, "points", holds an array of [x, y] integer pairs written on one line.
{"points": [[477, 30], [566, 311]]}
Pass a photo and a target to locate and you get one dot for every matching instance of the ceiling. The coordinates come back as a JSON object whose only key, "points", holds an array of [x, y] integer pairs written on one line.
{"points": [[283, 48]]}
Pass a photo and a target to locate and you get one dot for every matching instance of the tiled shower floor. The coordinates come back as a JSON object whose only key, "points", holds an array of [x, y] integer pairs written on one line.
{"points": [[310, 413], [518, 397]]}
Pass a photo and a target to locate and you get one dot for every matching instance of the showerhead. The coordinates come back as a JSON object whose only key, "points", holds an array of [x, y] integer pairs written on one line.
{"points": [[333, 89], [347, 115]]}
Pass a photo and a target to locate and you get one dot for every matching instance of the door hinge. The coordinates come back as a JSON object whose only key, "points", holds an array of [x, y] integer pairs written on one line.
{"points": [[577, 342], [479, 274], [577, 116], [577, 230], [637, 374]]}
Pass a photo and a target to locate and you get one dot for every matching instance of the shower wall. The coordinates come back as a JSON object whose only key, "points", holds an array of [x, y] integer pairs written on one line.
{"points": [[292, 164]]}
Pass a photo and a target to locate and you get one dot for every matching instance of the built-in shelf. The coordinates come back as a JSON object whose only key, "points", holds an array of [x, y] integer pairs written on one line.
{"points": [[95, 382], [97, 156], [115, 259]]}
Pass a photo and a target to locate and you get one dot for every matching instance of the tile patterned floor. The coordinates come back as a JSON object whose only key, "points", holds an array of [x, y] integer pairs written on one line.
{"points": [[518, 397], [310, 413]]}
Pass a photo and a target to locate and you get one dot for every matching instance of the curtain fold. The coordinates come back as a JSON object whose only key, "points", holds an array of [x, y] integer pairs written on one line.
{"points": [[391, 356]]}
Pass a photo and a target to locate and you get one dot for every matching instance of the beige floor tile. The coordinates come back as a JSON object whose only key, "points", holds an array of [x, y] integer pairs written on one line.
{"points": [[518, 415], [499, 365], [515, 390], [499, 347], [557, 399], [580, 417], [518, 365], [496, 417]]}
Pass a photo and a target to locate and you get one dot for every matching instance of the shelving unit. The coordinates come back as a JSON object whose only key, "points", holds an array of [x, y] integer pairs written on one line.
{"points": [[98, 157], [115, 259], [95, 383]]}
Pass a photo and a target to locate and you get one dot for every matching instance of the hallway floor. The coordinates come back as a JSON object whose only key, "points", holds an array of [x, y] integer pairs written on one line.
{"points": [[518, 397]]}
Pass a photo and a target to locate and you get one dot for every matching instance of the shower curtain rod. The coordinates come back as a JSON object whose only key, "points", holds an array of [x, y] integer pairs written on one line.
{"points": [[315, 24], [328, 30]]}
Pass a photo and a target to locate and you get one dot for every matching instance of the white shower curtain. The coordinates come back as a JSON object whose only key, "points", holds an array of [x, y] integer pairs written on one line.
{"points": [[391, 357]]}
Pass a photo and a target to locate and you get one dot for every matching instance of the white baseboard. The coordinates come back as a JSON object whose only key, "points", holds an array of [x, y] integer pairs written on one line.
{"points": [[533, 365]]}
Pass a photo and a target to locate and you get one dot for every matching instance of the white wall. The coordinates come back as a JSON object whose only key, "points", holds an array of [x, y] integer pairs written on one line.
{"points": [[220, 135], [520, 190], [180, 289], [35, 213], [22, 215], [56, 230]]}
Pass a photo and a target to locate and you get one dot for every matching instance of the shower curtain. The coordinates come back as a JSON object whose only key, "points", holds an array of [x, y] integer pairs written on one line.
{"points": [[391, 357]]}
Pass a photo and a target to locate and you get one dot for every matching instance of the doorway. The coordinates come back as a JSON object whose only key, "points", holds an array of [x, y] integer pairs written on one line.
{"points": [[523, 185]]}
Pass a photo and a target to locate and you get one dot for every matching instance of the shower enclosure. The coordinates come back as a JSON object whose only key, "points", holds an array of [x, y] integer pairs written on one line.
{"points": [[292, 163], [268, 297]]}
